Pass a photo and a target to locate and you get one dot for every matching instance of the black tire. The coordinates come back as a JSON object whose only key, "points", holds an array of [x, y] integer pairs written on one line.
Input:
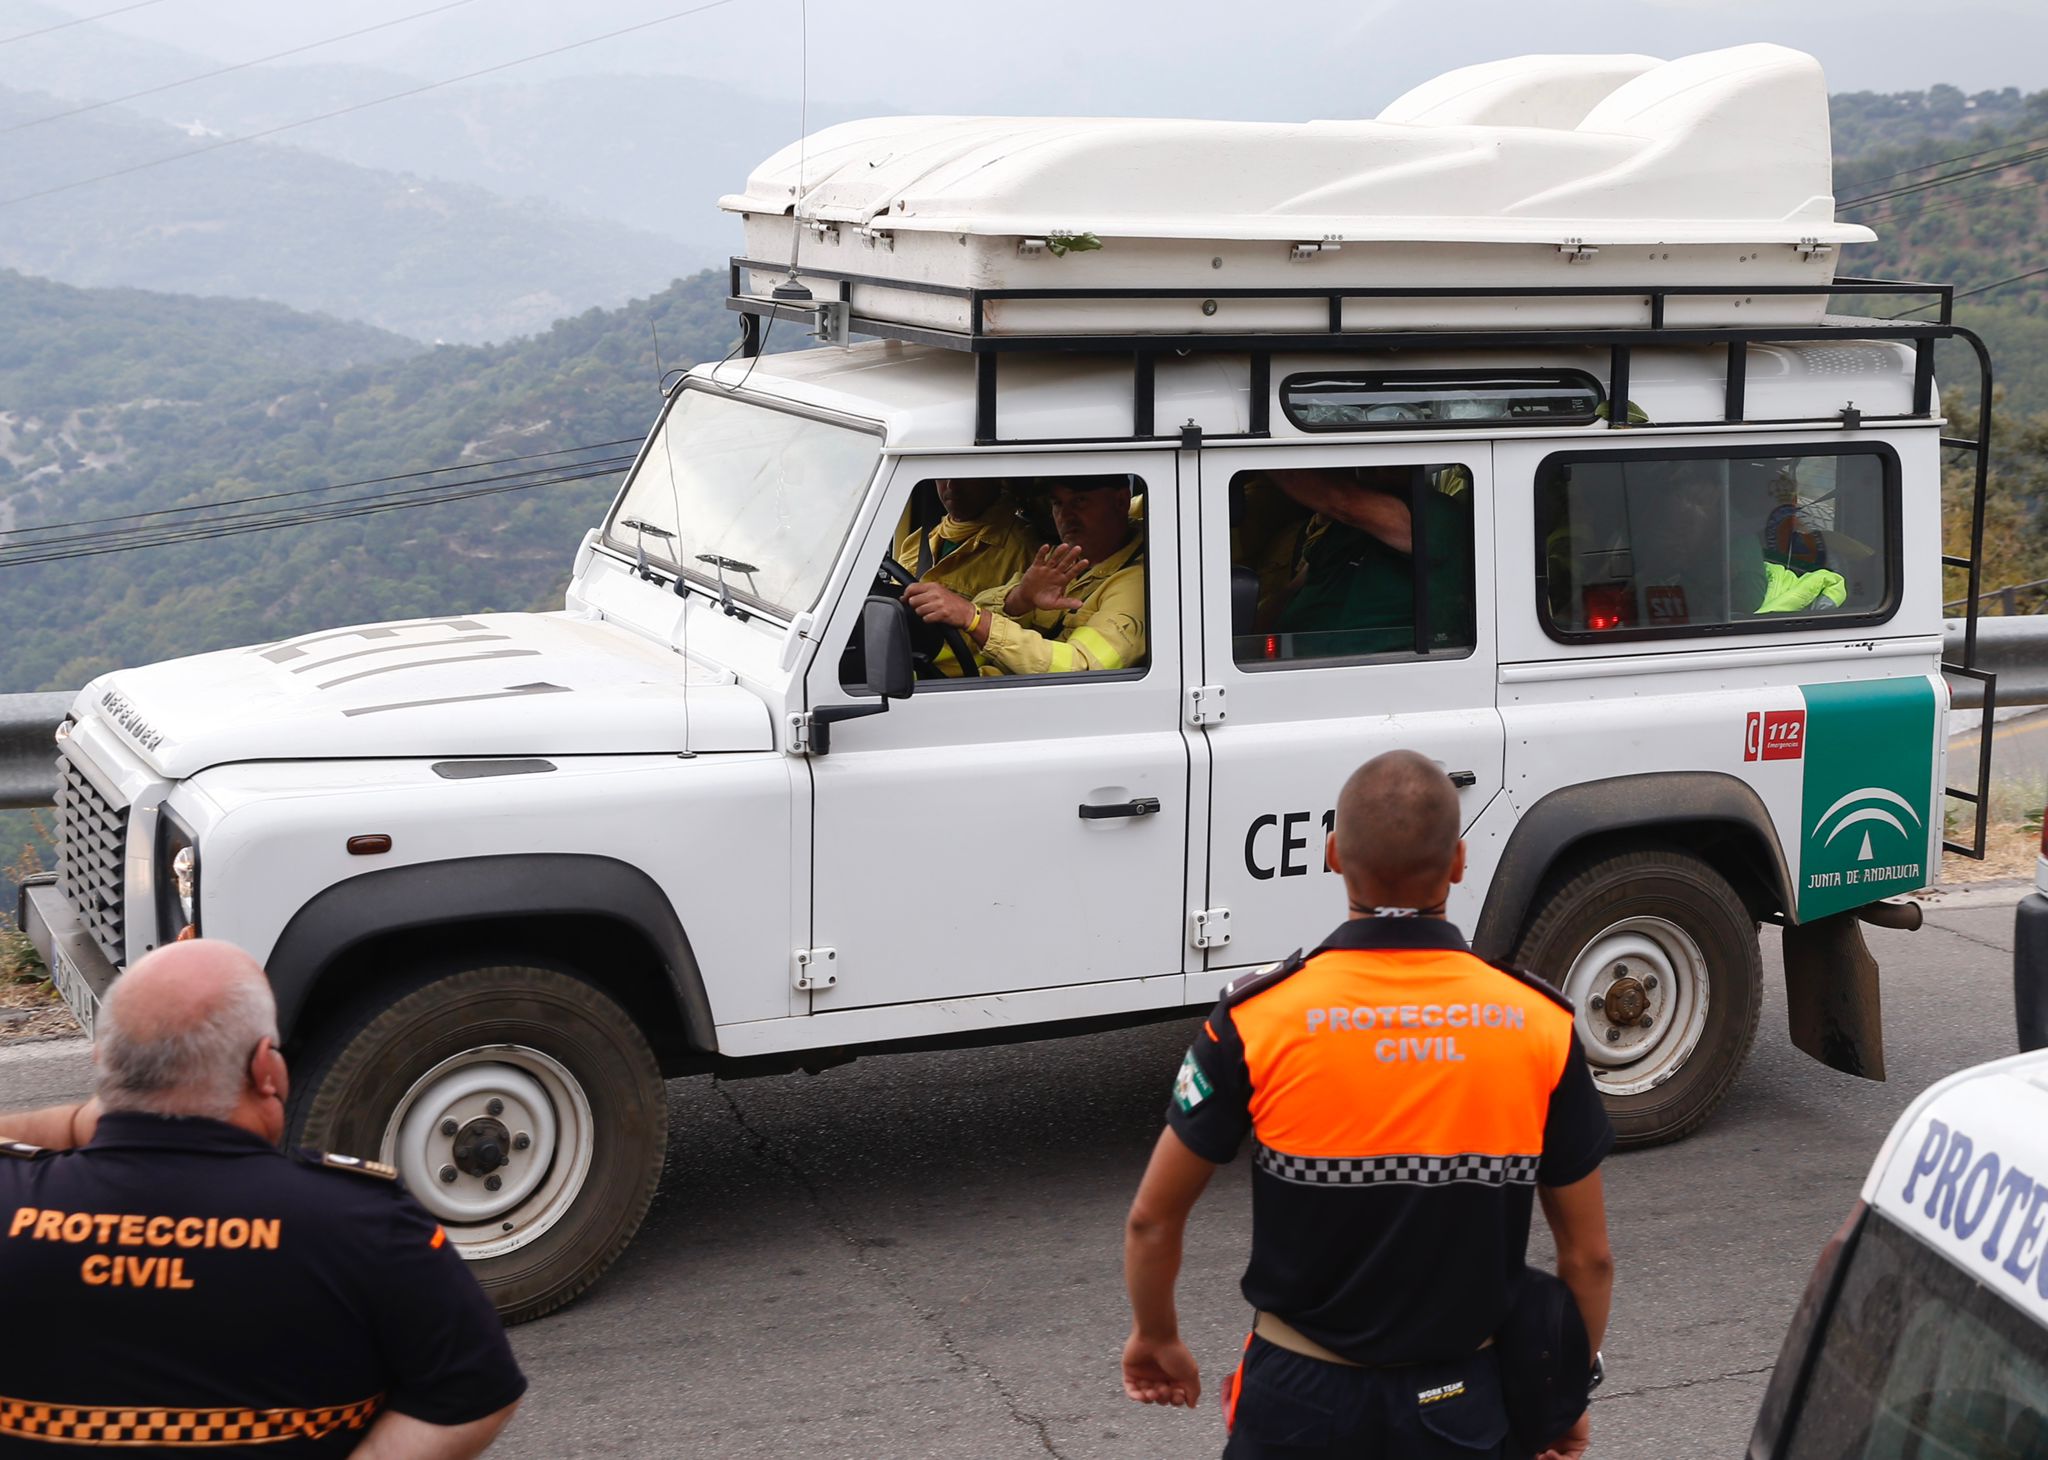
{"points": [[1670, 887], [361, 1069]]}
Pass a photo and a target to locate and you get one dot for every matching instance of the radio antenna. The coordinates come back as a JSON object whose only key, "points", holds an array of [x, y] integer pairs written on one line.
{"points": [[790, 289]]}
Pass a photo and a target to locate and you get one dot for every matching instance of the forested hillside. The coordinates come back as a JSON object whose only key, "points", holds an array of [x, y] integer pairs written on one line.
{"points": [[588, 379], [63, 349], [1864, 121], [1979, 229]]}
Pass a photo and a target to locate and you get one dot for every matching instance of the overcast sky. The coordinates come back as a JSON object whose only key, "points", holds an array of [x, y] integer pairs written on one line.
{"points": [[1220, 58]]}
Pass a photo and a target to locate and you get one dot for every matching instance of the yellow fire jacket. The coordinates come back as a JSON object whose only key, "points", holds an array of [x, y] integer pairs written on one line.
{"points": [[1106, 632], [1787, 591], [991, 550]]}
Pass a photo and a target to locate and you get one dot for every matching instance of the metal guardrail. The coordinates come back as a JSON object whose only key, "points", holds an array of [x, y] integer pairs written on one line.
{"points": [[2015, 649]]}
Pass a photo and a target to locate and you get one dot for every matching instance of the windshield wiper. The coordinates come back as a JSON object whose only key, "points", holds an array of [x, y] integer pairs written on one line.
{"points": [[640, 531], [721, 562]]}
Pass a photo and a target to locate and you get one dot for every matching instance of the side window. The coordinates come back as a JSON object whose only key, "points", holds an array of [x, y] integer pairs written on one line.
{"points": [[1333, 563], [1917, 1362], [1403, 399], [1653, 544], [966, 558]]}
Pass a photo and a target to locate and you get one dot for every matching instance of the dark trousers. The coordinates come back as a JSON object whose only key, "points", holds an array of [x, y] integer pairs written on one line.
{"points": [[1284, 1404]]}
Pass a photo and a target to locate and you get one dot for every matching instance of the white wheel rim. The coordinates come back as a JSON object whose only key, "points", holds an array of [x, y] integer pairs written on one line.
{"points": [[1653, 961], [456, 1110]]}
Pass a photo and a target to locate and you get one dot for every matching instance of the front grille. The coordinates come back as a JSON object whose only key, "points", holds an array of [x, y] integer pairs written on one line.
{"points": [[92, 841]]}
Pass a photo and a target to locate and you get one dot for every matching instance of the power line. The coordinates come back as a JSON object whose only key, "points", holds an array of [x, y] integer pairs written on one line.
{"points": [[235, 521], [1979, 289], [361, 105], [1898, 210], [331, 513], [1958, 157], [428, 492], [225, 70], [82, 20], [1982, 169], [311, 491]]}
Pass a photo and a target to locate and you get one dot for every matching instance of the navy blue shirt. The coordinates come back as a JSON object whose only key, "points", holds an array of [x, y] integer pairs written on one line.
{"points": [[179, 1283]]}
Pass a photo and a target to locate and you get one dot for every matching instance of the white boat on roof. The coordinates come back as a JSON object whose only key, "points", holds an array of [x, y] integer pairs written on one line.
{"points": [[1546, 171]]}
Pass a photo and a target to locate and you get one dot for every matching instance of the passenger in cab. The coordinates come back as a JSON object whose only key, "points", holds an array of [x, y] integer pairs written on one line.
{"points": [[1354, 582], [1080, 605], [1797, 577], [979, 542]]}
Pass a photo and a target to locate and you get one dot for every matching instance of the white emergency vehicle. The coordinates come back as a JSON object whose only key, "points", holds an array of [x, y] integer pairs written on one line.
{"points": [[1661, 590], [1924, 1331]]}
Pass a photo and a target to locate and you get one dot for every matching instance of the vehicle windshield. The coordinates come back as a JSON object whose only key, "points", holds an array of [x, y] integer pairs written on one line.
{"points": [[736, 491], [1917, 1362]]}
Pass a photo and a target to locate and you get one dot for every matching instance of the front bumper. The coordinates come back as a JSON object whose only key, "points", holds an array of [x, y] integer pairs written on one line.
{"points": [[2030, 970], [78, 969]]}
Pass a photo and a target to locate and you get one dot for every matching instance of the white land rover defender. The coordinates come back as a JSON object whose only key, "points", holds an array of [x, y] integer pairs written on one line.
{"points": [[1662, 591]]}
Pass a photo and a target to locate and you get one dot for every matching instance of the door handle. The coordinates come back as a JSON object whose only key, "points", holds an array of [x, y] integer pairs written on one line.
{"points": [[1464, 778], [1141, 806]]}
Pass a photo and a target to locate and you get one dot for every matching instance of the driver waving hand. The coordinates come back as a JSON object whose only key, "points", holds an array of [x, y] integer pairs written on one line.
{"points": [[1079, 605]]}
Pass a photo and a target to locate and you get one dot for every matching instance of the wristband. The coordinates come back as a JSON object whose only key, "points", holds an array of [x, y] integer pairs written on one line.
{"points": [[974, 624]]}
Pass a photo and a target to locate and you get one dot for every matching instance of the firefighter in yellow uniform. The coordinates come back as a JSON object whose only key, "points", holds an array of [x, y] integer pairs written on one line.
{"points": [[1079, 606], [979, 543]]}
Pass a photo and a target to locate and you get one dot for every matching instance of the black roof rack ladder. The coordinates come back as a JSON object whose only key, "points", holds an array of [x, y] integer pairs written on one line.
{"points": [[1972, 565]]}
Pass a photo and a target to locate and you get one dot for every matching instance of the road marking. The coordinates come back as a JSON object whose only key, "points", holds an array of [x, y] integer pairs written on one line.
{"points": [[1968, 738]]}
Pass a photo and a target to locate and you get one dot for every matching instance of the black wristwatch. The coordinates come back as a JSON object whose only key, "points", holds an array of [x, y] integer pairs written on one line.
{"points": [[1599, 1373]]}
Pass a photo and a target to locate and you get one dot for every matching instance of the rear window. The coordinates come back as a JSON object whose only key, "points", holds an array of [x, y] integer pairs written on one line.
{"points": [[1918, 1362], [1634, 545], [1405, 399]]}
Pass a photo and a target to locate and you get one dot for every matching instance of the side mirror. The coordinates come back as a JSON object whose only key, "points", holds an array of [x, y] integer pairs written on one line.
{"points": [[886, 668], [885, 647]]}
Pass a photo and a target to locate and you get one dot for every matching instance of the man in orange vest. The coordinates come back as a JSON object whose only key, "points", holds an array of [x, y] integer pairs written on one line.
{"points": [[1408, 1103]]}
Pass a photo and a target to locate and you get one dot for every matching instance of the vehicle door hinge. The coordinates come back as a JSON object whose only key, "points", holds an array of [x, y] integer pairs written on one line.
{"points": [[1577, 251], [1810, 249], [1205, 704], [800, 733], [1211, 927], [817, 968]]}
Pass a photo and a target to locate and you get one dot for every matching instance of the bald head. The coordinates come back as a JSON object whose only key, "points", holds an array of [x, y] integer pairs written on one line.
{"points": [[1397, 831], [179, 1028]]}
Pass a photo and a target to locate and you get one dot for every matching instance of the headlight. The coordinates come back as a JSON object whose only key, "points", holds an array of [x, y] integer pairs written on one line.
{"points": [[177, 893]]}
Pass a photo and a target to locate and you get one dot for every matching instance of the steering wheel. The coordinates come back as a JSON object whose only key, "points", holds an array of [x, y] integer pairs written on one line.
{"points": [[953, 636]]}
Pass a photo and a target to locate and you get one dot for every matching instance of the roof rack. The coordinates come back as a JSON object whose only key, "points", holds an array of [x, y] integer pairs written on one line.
{"points": [[834, 320]]}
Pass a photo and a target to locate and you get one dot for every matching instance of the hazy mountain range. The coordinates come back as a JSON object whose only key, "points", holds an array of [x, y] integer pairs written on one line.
{"points": [[474, 212]]}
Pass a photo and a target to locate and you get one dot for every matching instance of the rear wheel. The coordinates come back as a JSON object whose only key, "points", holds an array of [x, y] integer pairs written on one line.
{"points": [[521, 1106], [1658, 958]]}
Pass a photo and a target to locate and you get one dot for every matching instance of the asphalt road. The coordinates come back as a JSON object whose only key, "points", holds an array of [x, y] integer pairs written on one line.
{"points": [[919, 1255], [2019, 756]]}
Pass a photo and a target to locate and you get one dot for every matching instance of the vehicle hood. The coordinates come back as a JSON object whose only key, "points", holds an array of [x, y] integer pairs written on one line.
{"points": [[500, 684]]}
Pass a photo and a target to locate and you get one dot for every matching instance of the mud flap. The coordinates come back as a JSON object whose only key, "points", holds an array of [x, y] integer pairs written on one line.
{"points": [[1831, 995]]}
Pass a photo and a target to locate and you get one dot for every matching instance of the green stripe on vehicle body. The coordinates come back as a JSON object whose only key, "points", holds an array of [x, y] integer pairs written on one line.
{"points": [[1868, 799]]}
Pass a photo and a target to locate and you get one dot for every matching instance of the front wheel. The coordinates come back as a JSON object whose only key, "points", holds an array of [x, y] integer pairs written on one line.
{"points": [[1658, 957], [521, 1106]]}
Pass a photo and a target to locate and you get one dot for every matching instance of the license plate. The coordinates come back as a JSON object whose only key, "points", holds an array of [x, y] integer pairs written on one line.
{"points": [[72, 988]]}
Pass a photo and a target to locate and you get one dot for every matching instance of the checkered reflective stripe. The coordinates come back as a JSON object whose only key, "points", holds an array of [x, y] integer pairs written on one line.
{"points": [[92, 841], [67, 1424], [1414, 1170]]}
